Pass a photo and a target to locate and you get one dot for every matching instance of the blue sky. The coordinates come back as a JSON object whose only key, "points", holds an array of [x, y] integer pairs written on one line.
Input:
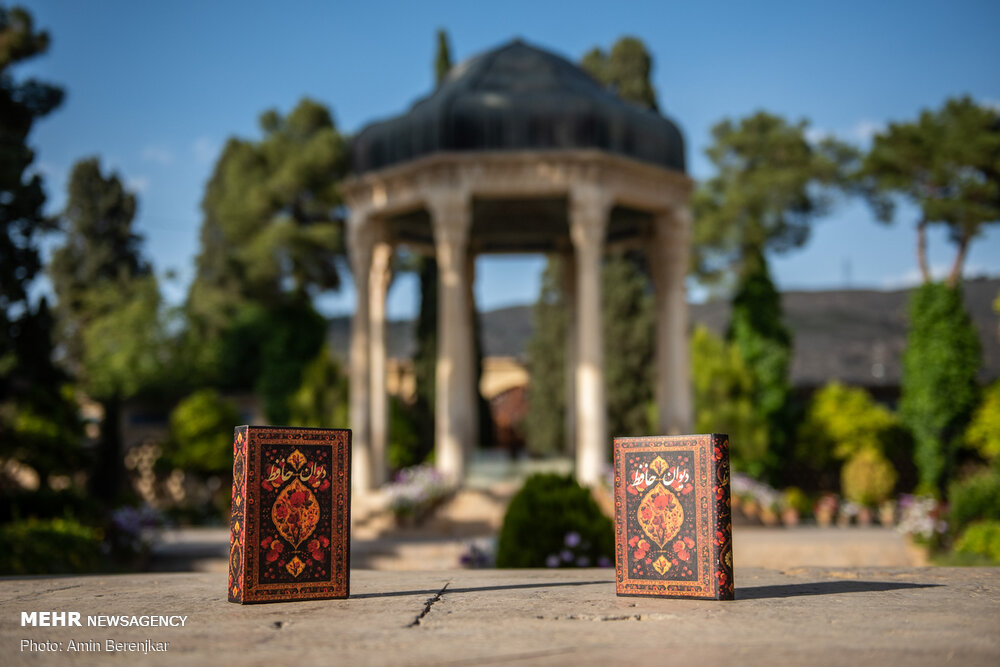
{"points": [[155, 89]]}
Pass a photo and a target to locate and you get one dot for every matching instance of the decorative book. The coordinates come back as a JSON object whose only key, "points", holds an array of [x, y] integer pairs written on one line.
{"points": [[673, 526], [291, 519]]}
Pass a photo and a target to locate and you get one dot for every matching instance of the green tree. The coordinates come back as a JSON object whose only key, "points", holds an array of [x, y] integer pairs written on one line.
{"points": [[771, 185], [545, 423], [628, 320], [722, 400], [271, 239], [38, 416], [322, 399], [947, 164], [757, 332], [625, 70], [125, 353], [108, 307], [442, 61], [101, 248], [939, 389], [271, 231]]}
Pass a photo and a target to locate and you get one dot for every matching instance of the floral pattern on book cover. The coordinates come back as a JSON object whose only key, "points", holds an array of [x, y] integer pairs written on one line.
{"points": [[660, 509], [296, 500]]}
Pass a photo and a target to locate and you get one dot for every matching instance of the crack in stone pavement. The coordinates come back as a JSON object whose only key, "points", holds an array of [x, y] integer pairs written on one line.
{"points": [[38, 594], [427, 607]]}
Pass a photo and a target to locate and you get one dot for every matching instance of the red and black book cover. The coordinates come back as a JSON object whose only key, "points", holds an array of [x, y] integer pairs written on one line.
{"points": [[673, 525], [291, 518]]}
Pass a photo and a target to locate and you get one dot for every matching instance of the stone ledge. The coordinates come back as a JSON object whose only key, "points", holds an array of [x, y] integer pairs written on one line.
{"points": [[809, 616]]}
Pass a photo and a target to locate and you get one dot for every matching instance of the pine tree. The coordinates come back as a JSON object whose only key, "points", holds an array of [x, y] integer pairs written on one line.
{"points": [[38, 416], [771, 185], [545, 424], [108, 307], [947, 164]]}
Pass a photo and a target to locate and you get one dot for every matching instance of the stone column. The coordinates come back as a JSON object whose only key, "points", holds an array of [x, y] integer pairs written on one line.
{"points": [[359, 246], [454, 394], [380, 276], [589, 209], [569, 289], [669, 256]]}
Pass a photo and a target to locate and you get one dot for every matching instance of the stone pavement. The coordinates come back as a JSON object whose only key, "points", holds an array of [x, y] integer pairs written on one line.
{"points": [[805, 616]]}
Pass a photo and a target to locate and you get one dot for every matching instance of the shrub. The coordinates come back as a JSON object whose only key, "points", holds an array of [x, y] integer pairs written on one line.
{"points": [[973, 499], [552, 514], [49, 546], [867, 478], [983, 433], [406, 447], [980, 539], [201, 434]]}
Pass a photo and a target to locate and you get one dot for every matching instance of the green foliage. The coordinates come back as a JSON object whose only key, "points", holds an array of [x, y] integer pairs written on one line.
{"points": [[974, 499], [322, 399], [841, 422], [629, 358], [21, 194], [757, 332], [945, 163], [49, 546], [796, 499], [625, 70], [425, 357], [544, 425], [980, 539], [266, 349], [406, 446], [983, 433], [270, 227], [44, 502], [939, 390], [38, 422], [201, 434], [771, 183], [442, 61], [542, 514], [124, 344], [723, 400], [867, 478]]}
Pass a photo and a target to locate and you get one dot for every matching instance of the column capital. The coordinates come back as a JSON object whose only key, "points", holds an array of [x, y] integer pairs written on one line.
{"points": [[451, 215], [361, 236], [589, 210]]}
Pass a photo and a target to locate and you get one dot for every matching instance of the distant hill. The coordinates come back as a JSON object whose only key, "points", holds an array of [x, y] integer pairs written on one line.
{"points": [[855, 336]]}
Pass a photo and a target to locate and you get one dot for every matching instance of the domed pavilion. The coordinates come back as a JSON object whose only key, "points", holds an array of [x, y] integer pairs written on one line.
{"points": [[517, 151]]}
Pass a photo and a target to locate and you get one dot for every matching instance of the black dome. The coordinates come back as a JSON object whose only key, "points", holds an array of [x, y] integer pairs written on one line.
{"points": [[519, 97]]}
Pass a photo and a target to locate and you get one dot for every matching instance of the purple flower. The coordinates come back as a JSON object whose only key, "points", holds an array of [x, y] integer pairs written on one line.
{"points": [[583, 561], [572, 539], [566, 555], [552, 561], [603, 562]]}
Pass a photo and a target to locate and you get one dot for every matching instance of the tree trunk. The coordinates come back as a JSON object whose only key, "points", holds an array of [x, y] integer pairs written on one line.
{"points": [[925, 270], [105, 481], [956, 269]]}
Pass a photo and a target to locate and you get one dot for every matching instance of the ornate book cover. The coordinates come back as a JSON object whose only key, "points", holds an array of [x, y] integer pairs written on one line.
{"points": [[673, 526], [291, 518]]}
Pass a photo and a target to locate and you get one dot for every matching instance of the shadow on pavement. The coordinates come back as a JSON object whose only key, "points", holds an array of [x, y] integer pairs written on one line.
{"points": [[822, 588]]}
